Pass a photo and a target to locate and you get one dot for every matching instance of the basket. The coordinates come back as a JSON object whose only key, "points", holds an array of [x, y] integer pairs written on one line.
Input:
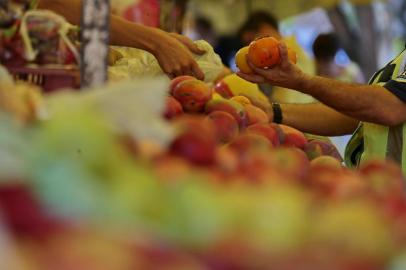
{"points": [[50, 77]]}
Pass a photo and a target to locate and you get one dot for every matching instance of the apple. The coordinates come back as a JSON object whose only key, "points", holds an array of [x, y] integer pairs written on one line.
{"points": [[174, 83], [193, 95], [172, 108], [223, 89], [196, 140], [293, 137], [234, 108], [225, 125], [265, 130]]}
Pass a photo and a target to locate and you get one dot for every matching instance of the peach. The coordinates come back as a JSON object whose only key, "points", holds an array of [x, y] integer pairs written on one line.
{"points": [[173, 108], [196, 141], [384, 178], [193, 95], [247, 142], [241, 61], [243, 100], [326, 161], [256, 115], [316, 148], [291, 162], [234, 108], [223, 89], [293, 137], [264, 52], [265, 130], [174, 83], [225, 125]]}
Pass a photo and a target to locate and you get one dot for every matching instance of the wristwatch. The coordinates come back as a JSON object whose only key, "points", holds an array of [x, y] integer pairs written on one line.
{"points": [[277, 113]]}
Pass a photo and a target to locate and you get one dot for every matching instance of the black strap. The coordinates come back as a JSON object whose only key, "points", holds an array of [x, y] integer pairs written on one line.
{"points": [[277, 113]]}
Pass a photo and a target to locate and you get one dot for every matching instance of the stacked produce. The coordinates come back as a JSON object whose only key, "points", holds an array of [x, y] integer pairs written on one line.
{"points": [[230, 191]]}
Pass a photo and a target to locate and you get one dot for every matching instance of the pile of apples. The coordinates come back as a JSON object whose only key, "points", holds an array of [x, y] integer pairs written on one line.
{"points": [[233, 138], [264, 197]]}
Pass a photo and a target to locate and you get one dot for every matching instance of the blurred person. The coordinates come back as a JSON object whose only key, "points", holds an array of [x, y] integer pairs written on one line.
{"points": [[374, 113], [263, 24], [173, 51], [325, 49], [204, 30]]}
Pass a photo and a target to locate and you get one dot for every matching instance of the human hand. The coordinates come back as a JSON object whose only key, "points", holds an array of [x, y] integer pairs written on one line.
{"points": [[174, 56], [286, 74], [188, 43]]}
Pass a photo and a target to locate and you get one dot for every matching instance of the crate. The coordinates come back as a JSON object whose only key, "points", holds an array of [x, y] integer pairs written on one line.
{"points": [[50, 77]]}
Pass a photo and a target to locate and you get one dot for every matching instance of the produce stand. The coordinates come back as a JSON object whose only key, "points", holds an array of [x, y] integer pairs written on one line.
{"points": [[149, 174], [49, 78]]}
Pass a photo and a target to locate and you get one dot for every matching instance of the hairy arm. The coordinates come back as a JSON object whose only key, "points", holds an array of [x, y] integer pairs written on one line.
{"points": [[317, 119], [172, 51], [369, 103]]}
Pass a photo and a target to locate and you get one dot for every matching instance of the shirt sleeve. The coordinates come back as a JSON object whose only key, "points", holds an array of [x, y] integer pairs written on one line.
{"points": [[397, 87]]}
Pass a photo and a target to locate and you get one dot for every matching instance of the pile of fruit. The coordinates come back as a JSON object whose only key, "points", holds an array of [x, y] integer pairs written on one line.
{"points": [[231, 191]]}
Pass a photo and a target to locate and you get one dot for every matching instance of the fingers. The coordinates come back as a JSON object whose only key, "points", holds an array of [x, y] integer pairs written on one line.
{"points": [[188, 43], [197, 72], [251, 77], [283, 50]]}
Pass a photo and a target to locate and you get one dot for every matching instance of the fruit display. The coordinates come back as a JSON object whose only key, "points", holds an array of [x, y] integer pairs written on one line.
{"points": [[229, 191]]}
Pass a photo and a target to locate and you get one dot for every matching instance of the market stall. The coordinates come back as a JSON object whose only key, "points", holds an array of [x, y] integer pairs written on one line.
{"points": [[147, 172]]}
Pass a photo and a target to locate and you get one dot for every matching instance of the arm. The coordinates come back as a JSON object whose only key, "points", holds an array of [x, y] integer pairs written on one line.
{"points": [[369, 103], [306, 117], [172, 51]]}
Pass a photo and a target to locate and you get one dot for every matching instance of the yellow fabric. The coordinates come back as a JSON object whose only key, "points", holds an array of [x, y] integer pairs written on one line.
{"points": [[306, 63]]}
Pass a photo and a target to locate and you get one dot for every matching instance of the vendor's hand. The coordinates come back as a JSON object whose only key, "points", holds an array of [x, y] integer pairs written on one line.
{"points": [[174, 57], [286, 74], [188, 43]]}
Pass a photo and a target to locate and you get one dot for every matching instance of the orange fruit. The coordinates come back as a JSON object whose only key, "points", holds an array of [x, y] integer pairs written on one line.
{"points": [[241, 61], [292, 56], [264, 52]]}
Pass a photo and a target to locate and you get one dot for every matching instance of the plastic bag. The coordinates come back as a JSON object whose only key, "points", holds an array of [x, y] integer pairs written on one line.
{"points": [[131, 107], [47, 38], [136, 63]]}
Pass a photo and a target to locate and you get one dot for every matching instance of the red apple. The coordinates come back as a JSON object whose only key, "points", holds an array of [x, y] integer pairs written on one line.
{"points": [[173, 108], [293, 137], [384, 178], [234, 108], [174, 83], [316, 148], [193, 95], [265, 130], [223, 90], [196, 141], [256, 115], [291, 162], [250, 142], [225, 125]]}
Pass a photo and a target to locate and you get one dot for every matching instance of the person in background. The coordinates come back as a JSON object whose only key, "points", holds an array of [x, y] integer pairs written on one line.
{"points": [[204, 30], [173, 51], [262, 24], [325, 49]]}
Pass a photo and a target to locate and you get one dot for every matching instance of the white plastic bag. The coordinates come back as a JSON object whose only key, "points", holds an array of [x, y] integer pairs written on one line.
{"points": [[136, 63], [132, 107]]}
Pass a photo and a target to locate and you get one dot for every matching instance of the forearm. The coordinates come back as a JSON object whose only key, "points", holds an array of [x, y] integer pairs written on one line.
{"points": [[369, 103], [123, 33], [317, 119]]}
